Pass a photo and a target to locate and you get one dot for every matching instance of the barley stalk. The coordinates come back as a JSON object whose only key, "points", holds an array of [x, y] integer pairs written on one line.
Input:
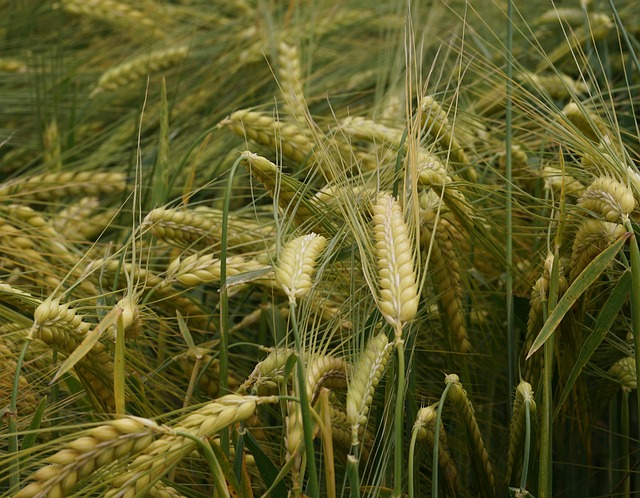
{"points": [[89, 452]]}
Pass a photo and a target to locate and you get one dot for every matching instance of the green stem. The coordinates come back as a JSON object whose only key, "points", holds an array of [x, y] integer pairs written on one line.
{"points": [[412, 449], [436, 442], [354, 477], [214, 466], [224, 301], [399, 418], [511, 338], [624, 444], [635, 301], [307, 425], [527, 444], [14, 479]]}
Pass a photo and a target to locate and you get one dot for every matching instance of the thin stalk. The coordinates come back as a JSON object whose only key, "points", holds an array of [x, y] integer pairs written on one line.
{"points": [[118, 370], [635, 301], [545, 481], [511, 339], [14, 478], [527, 444], [624, 444], [217, 474], [436, 442], [399, 418], [307, 425], [412, 449], [224, 300], [353, 473]]}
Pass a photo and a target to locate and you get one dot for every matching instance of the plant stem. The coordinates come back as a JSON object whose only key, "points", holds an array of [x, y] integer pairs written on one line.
{"points": [[399, 417], [624, 444], [307, 425], [511, 341], [14, 480], [436, 442], [635, 301], [410, 464], [224, 300], [527, 444]]}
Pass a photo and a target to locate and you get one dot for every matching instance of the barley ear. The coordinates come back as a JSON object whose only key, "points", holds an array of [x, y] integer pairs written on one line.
{"points": [[398, 292], [296, 265], [608, 198], [518, 420], [624, 372], [474, 436], [366, 375]]}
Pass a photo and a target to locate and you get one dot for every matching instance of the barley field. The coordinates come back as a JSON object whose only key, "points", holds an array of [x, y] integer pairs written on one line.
{"points": [[256, 248]]}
